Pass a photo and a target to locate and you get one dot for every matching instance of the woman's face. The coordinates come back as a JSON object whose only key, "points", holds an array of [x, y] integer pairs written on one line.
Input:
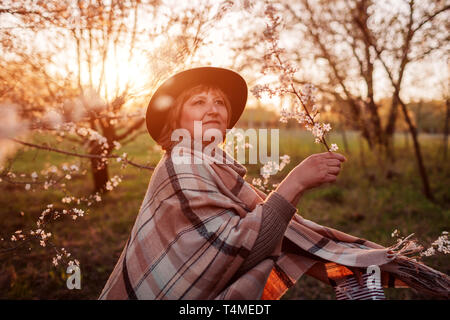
{"points": [[209, 108]]}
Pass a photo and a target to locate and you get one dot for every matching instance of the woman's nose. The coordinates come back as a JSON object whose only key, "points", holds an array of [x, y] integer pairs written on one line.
{"points": [[212, 108]]}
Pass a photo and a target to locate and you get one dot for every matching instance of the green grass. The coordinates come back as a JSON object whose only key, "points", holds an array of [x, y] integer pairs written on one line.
{"points": [[363, 202]]}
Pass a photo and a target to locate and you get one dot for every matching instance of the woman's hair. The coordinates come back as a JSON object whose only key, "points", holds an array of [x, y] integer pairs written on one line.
{"points": [[174, 113]]}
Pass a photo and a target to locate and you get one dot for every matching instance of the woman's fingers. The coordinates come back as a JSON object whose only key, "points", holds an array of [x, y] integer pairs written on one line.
{"points": [[318, 169], [334, 163], [334, 155], [334, 170]]}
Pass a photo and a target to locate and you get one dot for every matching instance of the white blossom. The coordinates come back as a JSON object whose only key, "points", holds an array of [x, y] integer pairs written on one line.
{"points": [[79, 212], [429, 252], [82, 132], [285, 159], [117, 145], [334, 147], [326, 127], [441, 244], [66, 199]]}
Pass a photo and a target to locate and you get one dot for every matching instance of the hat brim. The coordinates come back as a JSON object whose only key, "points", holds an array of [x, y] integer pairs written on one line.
{"points": [[230, 82]]}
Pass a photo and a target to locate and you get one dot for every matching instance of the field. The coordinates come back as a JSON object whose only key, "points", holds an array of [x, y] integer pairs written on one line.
{"points": [[363, 202]]}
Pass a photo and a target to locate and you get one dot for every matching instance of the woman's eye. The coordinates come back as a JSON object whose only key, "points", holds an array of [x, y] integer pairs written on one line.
{"points": [[219, 102], [198, 102]]}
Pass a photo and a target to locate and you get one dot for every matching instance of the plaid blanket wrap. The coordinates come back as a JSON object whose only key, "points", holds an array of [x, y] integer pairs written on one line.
{"points": [[198, 223]]}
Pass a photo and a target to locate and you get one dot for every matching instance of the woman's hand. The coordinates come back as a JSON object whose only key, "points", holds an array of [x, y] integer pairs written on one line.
{"points": [[318, 169], [312, 172]]}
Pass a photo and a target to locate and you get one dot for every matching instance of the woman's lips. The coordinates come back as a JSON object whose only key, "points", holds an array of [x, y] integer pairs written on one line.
{"points": [[212, 121]]}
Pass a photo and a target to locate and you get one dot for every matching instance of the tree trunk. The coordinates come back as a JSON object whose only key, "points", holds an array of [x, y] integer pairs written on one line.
{"points": [[99, 169], [361, 154], [447, 117], [390, 131], [345, 142], [418, 153], [389, 148], [406, 135], [100, 176], [419, 116]]}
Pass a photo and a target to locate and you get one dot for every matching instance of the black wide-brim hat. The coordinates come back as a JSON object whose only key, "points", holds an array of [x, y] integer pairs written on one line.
{"points": [[231, 83]]}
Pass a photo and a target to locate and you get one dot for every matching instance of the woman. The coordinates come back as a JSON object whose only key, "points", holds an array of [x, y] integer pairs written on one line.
{"points": [[203, 232]]}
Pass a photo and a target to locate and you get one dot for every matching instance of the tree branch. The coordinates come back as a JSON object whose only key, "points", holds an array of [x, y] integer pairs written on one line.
{"points": [[89, 156], [134, 127], [431, 17]]}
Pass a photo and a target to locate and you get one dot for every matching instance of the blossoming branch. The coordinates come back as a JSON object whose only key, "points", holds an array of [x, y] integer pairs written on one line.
{"points": [[305, 111]]}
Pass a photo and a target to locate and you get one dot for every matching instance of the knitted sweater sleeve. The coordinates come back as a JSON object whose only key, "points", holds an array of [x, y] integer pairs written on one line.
{"points": [[276, 215]]}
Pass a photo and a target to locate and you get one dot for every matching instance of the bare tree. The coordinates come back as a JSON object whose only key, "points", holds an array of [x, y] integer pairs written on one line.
{"points": [[447, 119], [71, 75], [444, 86], [421, 34], [352, 36]]}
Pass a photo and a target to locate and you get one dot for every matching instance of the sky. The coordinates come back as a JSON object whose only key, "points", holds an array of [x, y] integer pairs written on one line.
{"points": [[425, 81]]}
